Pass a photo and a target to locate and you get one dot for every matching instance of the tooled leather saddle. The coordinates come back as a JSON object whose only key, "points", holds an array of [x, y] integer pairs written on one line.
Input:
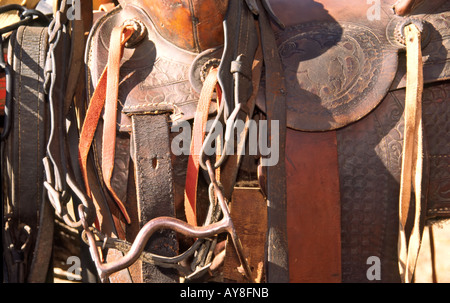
{"points": [[332, 78], [341, 86]]}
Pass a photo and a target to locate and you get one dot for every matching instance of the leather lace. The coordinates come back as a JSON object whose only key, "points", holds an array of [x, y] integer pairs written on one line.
{"points": [[105, 96]]}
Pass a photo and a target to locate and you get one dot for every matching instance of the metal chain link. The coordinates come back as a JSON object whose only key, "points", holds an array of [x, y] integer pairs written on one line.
{"points": [[61, 188]]}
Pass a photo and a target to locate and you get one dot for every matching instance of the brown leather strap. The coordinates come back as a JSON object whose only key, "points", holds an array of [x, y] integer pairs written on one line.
{"points": [[79, 27], [90, 125], [277, 245], [119, 37], [433, 255], [231, 167], [2, 91], [105, 94], [412, 159], [154, 188], [198, 135], [313, 207]]}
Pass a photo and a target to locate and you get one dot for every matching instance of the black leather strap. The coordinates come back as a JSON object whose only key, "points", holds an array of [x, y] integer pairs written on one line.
{"points": [[277, 245], [237, 58], [154, 188], [26, 204]]}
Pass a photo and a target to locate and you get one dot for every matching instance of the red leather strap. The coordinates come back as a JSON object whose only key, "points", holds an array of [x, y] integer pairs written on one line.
{"points": [[198, 135], [313, 207], [90, 125], [105, 95]]}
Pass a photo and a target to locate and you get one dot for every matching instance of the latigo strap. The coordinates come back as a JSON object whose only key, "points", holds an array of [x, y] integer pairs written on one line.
{"points": [[30, 217], [198, 135], [412, 161], [105, 95]]}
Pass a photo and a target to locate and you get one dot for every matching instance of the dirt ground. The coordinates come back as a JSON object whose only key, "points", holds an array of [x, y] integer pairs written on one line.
{"points": [[441, 233]]}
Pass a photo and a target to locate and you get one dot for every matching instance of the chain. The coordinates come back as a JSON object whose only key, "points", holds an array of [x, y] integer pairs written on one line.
{"points": [[60, 182]]}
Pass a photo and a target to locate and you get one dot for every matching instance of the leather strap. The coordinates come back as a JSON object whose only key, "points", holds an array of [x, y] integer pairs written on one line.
{"points": [[79, 28], [119, 37], [412, 160], [90, 125], [248, 210], [239, 51], [433, 255], [277, 245], [229, 170], [26, 201], [105, 95], [313, 207], [154, 188], [240, 73], [106, 91], [198, 135]]}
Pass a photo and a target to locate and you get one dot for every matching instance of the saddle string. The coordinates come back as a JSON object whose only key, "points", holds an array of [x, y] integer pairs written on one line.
{"points": [[198, 134], [119, 36], [412, 160], [105, 96], [433, 254]]}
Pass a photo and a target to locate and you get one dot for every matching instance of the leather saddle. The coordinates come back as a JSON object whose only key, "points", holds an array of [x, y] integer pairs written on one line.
{"points": [[331, 75], [343, 79]]}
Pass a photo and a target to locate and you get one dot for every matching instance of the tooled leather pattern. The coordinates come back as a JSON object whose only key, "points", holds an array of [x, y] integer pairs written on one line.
{"points": [[369, 154], [436, 117], [168, 83], [436, 57], [368, 169], [333, 73]]}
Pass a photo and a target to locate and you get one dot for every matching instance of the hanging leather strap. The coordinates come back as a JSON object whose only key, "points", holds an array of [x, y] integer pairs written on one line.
{"points": [[277, 245], [239, 76], [90, 125], [105, 95], [198, 135], [313, 207], [2, 91], [26, 205], [150, 152], [154, 187], [119, 37], [412, 161]]}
